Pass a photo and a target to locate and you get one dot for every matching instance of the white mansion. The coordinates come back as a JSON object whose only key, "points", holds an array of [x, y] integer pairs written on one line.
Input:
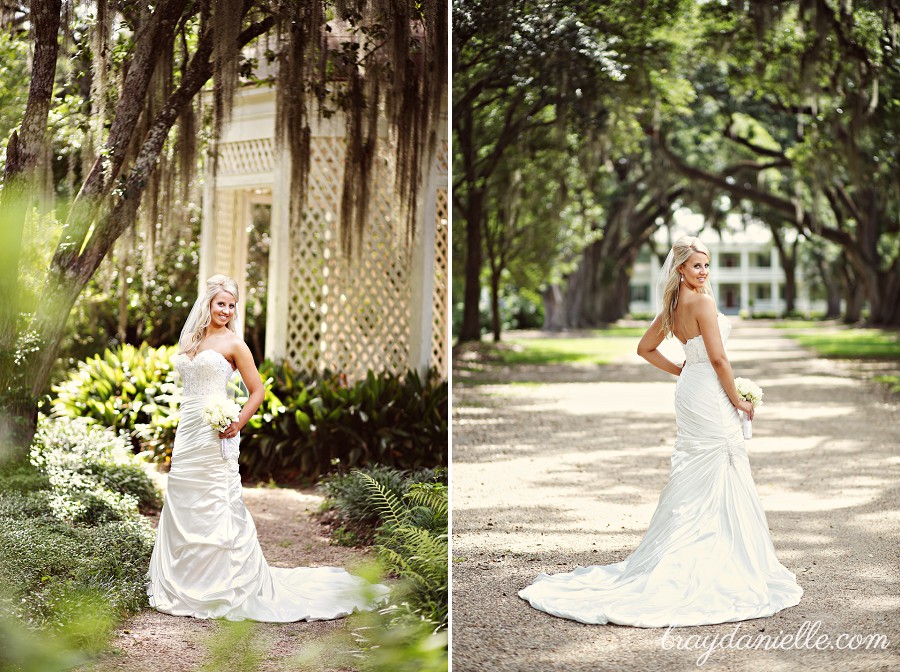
{"points": [[745, 272]]}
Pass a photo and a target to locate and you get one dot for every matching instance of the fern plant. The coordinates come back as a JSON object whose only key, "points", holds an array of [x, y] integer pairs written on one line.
{"points": [[412, 542]]}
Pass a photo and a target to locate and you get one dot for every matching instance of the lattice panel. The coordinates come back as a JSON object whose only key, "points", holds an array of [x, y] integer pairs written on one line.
{"points": [[346, 316], [441, 158], [225, 243], [439, 355], [246, 157]]}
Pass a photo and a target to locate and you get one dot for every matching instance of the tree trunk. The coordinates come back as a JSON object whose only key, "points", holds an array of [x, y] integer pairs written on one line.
{"points": [[21, 183], [495, 305], [887, 310], [471, 324], [832, 287], [853, 295], [598, 292], [554, 313]]}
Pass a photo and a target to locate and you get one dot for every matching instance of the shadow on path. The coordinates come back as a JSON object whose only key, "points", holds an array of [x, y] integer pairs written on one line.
{"points": [[567, 472]]}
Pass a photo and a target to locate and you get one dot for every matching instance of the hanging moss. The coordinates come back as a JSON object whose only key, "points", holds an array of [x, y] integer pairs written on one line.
{"points": [[394, 59]]}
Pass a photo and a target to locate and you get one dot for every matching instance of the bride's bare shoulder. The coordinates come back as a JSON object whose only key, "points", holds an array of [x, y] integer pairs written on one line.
{"points": [[698, 304]]}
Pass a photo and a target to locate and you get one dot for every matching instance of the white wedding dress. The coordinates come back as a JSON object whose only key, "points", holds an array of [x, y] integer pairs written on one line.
{"points": [[207, 562], [707, 556]]}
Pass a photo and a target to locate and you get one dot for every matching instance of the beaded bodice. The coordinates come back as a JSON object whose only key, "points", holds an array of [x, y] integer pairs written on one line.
{"points": [[695, 348], [207, 374]]}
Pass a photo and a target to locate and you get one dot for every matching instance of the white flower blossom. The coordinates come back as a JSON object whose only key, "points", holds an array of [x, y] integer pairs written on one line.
{"points": [[220, 413], [749, 391]]}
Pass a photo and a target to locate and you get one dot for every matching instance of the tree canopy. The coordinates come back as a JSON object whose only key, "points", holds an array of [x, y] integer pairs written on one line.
{"points": [[783, 111]]}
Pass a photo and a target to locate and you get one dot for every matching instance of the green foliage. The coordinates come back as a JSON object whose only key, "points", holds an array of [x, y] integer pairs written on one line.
{"points": [[303, 427], [94, 478], [127, 388], [351, 495], [394, 642], [412, 541], [14, 78], [389, 419], [71, 580], [85, 631], [891, 380], [235, 646]]}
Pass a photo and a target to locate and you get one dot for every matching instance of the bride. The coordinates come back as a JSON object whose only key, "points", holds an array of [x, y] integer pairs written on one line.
{"points": [[707, 556], [207, 562]]}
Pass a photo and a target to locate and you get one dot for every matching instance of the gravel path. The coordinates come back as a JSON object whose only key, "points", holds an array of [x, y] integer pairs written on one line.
{"points": [[566, 469], [290, 537]]}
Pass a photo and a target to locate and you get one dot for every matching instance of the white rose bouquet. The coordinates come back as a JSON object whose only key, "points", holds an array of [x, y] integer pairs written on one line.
{"points": [[748, 391], [218, 414]]}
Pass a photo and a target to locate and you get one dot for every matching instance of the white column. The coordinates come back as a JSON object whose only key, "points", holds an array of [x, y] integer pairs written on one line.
{"points": [[421, 318], [238, 271], [745, 280], [278, 284]]}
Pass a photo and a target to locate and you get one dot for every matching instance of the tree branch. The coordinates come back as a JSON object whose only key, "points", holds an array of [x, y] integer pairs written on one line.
{"points": [[730, 133]]}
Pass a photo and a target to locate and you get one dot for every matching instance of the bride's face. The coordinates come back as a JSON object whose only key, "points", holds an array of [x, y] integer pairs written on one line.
{"points": [[695, 270], [222, 307]]}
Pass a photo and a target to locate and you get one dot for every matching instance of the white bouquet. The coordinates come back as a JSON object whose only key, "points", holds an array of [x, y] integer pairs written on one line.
{"points": [[748, 391], [218, 414]]}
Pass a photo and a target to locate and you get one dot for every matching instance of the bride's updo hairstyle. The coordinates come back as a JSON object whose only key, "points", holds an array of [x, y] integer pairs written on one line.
{"points": [[682, 250], [201, 316]]}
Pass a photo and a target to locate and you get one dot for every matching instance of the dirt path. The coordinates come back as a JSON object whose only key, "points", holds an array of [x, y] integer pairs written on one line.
{"points": [[290, 537], [554, 474]]}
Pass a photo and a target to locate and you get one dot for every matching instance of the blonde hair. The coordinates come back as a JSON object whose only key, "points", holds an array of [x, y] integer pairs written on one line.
{"points": [[682, 250], [201, 315]]}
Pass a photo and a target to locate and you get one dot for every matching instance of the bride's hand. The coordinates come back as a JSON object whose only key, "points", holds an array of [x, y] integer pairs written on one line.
{"points": [[230, 432], [746, 407]]}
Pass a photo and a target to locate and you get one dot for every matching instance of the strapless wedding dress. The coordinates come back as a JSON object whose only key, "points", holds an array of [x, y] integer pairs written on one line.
{"points": [[207, 562], [707, 556]]}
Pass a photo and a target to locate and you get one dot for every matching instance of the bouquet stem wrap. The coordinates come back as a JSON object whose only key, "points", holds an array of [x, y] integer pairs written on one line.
{"points": [[747, 426]]}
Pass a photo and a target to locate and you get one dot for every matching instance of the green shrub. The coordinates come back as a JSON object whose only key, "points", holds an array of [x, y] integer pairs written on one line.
{"points": [[94, 478], [413, 543], [303, 427], [46, 563], [393, 641], [351, 495], [400, 421], [127, 388], [21, 476], [51, 571], [70, 582]]}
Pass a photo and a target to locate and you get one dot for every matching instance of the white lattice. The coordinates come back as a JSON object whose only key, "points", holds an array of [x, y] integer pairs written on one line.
{"points": [[441, 158], [346, 315], [439, 357], [225, 244], [327, 311], [245, 157]]}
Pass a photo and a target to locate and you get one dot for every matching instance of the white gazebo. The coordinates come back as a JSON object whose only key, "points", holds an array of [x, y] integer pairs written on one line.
{"points": [[380, 311]]}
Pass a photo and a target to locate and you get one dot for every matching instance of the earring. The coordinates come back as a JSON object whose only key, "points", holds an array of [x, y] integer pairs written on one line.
{"points": [[682, 278]]}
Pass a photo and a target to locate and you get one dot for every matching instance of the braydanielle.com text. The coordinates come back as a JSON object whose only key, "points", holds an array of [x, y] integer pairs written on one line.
{"points": [[806, 637]]}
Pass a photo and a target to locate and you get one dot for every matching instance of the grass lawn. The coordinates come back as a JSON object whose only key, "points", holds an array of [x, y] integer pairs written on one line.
{"points": [[891, 380], [796, 324], [599, 347], [852, 343]]}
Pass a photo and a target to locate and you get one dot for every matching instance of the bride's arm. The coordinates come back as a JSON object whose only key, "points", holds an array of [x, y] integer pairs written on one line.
{"points": [[647, 348], [708, 321], [247, 367]]}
